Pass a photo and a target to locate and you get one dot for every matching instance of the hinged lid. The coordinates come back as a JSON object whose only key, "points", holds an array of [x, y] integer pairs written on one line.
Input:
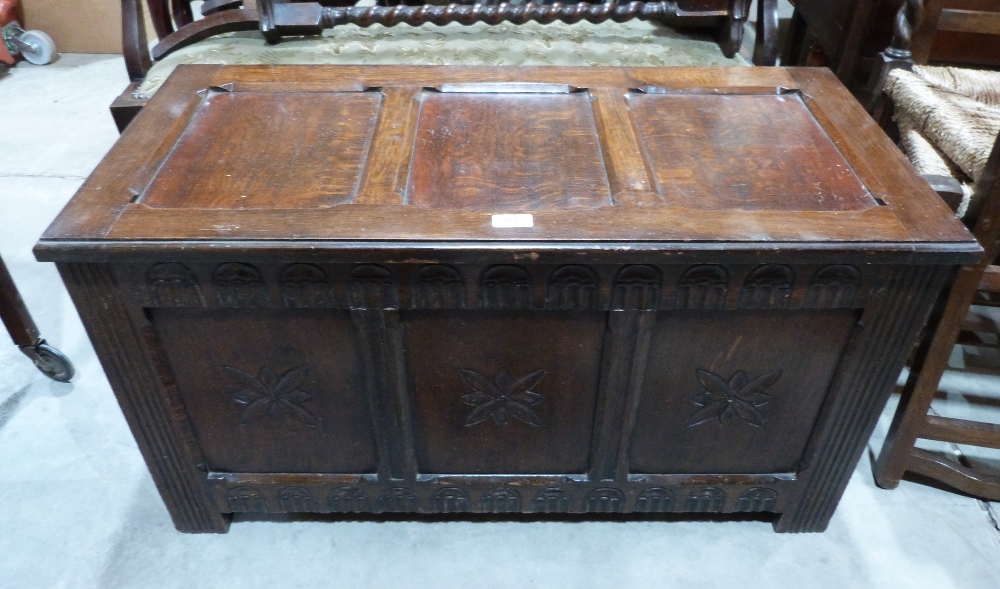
{"points": [[653, 157]]}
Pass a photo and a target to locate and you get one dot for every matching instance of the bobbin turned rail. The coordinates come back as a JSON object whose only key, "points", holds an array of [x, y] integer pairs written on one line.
{"points": [[310, 18]]}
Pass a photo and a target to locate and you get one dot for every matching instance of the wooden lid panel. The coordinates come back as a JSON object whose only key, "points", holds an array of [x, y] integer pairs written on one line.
{"points": [[743, 152], [507, 151], [249, 150]]}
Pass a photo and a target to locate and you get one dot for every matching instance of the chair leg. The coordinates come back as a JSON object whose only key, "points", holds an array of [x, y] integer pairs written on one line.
{"points": [[20, 326], [794, 40], [765, 51], [730, 34], [922, 384], [53, 363]]}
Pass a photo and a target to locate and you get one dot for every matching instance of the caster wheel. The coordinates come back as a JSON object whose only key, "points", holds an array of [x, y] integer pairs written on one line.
{"points": [[51, 362], [38, 48]]}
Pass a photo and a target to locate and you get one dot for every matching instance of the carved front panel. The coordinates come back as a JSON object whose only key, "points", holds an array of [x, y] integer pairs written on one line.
{"points": [[503, 391], [735, 392], [270, 391]]}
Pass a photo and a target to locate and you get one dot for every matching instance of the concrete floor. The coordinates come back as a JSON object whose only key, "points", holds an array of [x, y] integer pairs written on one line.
{"points": [[79, 509]]}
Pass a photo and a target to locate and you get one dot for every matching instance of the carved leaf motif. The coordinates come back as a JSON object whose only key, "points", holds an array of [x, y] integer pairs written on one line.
{"points": [[298, 396], [291, 380], [529, 397], [707, 412], [713, 383], [748, 412], [255, 410], [475, 398], [526, 382], [726, 399], [502, 398], [525, 414], [298, 413], [272, 394], [758, 384], [479, 382], [482, 413], [738, 380], [246, 379]]}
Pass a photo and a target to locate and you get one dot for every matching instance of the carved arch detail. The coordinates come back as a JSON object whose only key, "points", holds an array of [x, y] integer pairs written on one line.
{"points": [[347, 500], [451, 500], [834, 287], [297, 499], [637, 288], [551, 500], [702, 287], [173, 285], [437, 286], [398, 500], [707, 500], [506, 287], [572, 288], [371, 287], [605, 500], [246, 500], [305, 286], [757, 499], [240, 286], [501, 500], [655, 500], [768, 287]]}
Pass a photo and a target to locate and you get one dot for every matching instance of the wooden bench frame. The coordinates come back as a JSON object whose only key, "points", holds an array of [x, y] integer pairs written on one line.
{"points": [[175, 27]]}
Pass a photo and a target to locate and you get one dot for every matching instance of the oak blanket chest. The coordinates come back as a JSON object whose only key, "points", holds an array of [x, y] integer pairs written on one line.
{"points": [[500, 290]]}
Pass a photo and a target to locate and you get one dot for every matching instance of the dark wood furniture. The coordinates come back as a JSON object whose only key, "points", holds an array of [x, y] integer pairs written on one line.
{"points": [[974, 284], [22, 329], [853, 32], [175, 27], [911, 421], [497, 290]]}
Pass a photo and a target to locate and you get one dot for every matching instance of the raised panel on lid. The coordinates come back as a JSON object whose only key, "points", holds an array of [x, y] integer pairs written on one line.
{"points": [[507, 152], [268, 151], [749, 152]]}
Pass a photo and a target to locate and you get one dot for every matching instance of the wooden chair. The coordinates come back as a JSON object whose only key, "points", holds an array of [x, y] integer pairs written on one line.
{"points": [[175, 25], [911, 420], [850, 33]]}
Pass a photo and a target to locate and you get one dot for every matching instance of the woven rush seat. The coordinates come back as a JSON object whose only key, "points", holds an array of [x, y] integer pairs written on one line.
{"points": [[631, 44], [948, 120]]}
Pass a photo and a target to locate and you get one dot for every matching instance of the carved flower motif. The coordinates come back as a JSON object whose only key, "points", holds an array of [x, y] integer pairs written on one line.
{"points": [[272, 394], [737, 397], [502, 398]]}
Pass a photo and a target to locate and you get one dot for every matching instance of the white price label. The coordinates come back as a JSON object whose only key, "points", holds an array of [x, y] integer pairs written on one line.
{"points": [[514, 220]]}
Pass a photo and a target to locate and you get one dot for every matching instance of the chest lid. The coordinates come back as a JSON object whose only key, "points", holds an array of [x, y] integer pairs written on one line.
{"points": [[670, 156]]}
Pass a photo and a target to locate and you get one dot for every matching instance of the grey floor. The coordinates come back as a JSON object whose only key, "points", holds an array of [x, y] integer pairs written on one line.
{"points": [[78, 508]]}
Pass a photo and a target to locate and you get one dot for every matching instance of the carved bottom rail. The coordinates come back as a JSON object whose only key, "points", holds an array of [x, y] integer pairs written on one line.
{"points": [[263, 494]]}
